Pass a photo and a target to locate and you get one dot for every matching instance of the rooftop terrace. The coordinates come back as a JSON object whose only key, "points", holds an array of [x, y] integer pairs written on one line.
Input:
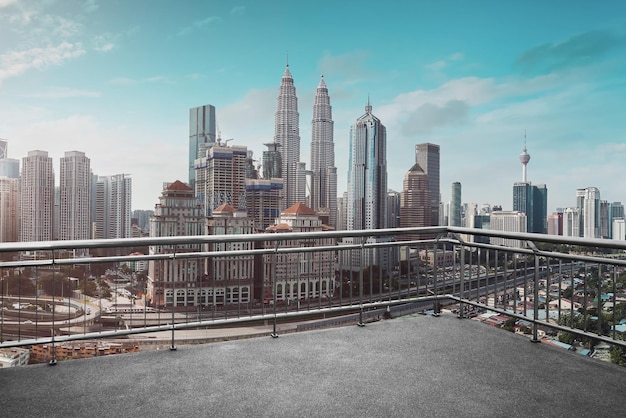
{"points": [[408, 366]]}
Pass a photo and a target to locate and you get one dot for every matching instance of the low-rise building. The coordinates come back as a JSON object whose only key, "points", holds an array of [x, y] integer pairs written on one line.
{"points": [[14, 357]]}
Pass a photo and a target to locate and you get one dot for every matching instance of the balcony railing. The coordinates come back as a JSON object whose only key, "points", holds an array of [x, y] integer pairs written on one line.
{"points": [[60, 291]]}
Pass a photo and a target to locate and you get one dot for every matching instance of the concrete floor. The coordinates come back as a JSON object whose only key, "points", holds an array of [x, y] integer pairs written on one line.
{"points": [[419, 366]]}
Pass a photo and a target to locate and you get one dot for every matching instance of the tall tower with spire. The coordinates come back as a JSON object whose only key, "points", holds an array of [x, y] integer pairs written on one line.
{"points": [[324, 172], [524, 158], [367, 187], [287, 135], [531, 199]]}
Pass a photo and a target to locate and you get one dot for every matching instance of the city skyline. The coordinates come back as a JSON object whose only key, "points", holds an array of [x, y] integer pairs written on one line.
{"points": [[116, 81]]}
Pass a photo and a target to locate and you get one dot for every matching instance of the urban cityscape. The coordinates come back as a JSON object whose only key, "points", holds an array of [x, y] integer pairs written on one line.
{"points": [[346, 168]]}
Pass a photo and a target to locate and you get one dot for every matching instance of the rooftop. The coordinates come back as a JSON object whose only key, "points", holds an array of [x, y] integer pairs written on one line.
{"points": [[409, 366]]}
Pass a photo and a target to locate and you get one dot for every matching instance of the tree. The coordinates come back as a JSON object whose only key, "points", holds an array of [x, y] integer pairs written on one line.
{"points": [[617, 355], [18, 285]]}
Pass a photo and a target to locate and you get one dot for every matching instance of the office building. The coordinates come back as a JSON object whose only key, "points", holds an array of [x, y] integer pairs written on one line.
{"points": [[178, 213], [366, 206], [415, 203], [221, 177], [455, 205], [427, 156], [36, 197], [202, 133], [324, 172], [75, 196], [229, 278], [287, 135], [299, 275]]}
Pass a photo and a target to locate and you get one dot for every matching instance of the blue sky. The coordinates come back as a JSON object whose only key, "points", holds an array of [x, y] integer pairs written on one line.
{"points": [[115, 79]]}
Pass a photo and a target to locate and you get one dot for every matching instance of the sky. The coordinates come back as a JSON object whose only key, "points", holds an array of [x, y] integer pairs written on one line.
{"points": [[116, 79]]}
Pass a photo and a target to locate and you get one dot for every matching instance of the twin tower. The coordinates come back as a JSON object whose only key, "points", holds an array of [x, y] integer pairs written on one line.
{"points": [[282, 159]]}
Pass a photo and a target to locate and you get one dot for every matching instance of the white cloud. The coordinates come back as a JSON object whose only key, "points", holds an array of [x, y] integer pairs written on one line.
{"points": [[62, 93], [15, 63], [5, 3], [112, 150], [198, 24]]}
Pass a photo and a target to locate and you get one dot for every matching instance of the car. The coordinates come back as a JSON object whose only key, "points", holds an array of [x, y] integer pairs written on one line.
{"points": [[28, 321]]}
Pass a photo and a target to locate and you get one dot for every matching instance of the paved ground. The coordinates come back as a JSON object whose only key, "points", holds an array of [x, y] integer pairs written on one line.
{"points": [[418, 366]]}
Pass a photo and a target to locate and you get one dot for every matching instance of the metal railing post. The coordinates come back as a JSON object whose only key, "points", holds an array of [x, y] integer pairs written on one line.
{"points": [[274, 288], [174, 299], [535, 338], [361, 323]]}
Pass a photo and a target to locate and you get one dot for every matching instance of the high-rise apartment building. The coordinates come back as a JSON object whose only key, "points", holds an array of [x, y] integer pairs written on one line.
{"points": [[415, 202], [9, 209], [221, 177], [555, 223], [113, 210], [75, 196], [367, 187], [36, 197], [202, 133], [508, 221], [427, 156], [263, 201], [287, 135], [175, 281], [324, 172], [571, 222], [588, 204]]}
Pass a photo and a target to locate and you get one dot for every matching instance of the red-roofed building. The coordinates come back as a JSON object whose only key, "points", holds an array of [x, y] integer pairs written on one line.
{"points": [[178, 213], [300, 274]]}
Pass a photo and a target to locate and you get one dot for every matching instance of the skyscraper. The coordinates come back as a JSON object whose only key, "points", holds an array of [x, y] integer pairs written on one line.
{"points": [[202, 129], [36, 197], [324, 172], [427, 156], [287, 135], [415, 202], [367, 185], [455, 205], [75, 197], [588, 204]]}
